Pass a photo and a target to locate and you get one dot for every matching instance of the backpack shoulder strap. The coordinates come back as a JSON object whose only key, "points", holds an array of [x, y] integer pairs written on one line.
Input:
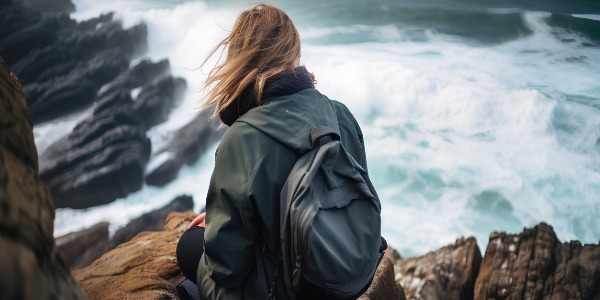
{"points": [[320, 132]]}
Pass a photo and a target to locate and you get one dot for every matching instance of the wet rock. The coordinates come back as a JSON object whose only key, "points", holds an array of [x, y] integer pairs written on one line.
{"points": [[447, 273], [76, 90], [73, 244], [100, 161], [535, 265], [186, 147], [63, 63], [155, 102], [54, 6], [143, 268], [152, 221], [30, 266], [105, 156]]}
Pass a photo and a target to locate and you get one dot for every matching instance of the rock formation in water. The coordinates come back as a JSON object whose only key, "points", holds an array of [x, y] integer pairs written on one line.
{"points": [[30, 266], [62, 63], [105, 156], [65, 67], [186, 147]]}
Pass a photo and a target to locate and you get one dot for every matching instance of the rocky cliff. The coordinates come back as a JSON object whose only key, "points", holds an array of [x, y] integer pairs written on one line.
{"points": [[67, 66], [30, 267]]}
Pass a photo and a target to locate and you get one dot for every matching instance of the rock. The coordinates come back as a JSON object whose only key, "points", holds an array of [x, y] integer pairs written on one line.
{"points": [[30, 266], [151, 221], [535, 265], [76, 90], [155, 102], [143, 268], [447, 273], [73, 244], [146, 268], [384, 285], [101, 160], [186, 147], [63, 63], [145, 72], [105, 156], [54, 6]]}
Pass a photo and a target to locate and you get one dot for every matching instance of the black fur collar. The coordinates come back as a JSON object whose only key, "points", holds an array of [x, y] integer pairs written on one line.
{"points": [[284, 83]]}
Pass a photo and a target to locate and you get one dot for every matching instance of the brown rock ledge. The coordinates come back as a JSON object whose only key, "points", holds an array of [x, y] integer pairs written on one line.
{"points": [[143, 268]]}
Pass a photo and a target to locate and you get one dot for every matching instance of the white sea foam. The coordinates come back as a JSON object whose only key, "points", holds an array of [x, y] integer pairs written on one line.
{"points": [[461, 139]]}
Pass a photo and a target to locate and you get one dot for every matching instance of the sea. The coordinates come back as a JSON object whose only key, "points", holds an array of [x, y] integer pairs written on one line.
{"points": [[478, 116]]}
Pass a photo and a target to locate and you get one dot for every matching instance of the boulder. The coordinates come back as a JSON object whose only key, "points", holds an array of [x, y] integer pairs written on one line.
{"points": [[447, 273], [152, 221], [186, 147], [30, 265], [535, 265], [143, 268]]}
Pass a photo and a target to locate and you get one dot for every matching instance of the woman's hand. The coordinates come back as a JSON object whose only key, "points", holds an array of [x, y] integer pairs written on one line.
{"points": [[199, 221]]}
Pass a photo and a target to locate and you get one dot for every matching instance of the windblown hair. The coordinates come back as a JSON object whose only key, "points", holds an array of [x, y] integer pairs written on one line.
{"points": [[263, 42]]}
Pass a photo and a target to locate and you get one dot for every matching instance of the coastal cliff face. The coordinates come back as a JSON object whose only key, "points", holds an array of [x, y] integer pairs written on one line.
{"points": [[30, 266]]}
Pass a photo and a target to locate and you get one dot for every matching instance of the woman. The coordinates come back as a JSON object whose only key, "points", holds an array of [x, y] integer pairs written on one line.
{"points": [[270, 105]]}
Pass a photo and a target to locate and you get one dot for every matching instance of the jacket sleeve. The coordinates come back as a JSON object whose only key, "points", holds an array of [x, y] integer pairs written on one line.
{"points": [[229, 240]]}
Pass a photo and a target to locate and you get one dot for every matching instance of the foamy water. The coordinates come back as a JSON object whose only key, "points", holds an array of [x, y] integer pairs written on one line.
{"points": [[462, 138]]}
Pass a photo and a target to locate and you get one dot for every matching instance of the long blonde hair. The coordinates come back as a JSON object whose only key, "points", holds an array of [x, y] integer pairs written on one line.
{"points": [[263, 42]]}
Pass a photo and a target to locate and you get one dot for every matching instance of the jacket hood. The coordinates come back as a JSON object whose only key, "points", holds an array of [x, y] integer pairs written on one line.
{"points": [[289, 119]]}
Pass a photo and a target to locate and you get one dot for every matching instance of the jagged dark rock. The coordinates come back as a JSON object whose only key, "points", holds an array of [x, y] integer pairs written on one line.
{"points": [[151, 221], [54, 6], [536, 265], [105, 156], [155, 102], [30, 266], [186, 147], [447, 273], [101, 160], [62, 63]]}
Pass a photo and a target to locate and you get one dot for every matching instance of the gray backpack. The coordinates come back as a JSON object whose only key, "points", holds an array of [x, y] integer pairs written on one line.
{"points": [[331, 239]]}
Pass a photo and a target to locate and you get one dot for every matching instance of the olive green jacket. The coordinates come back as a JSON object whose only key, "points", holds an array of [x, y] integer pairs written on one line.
{"points": [[252, 164]]}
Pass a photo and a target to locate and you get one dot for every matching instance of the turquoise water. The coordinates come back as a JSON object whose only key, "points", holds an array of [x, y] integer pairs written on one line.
{"points": [[477, 117]]}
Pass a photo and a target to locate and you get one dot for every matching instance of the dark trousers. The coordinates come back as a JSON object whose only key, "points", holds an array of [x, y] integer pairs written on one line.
{"points": [[189, 250]]}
